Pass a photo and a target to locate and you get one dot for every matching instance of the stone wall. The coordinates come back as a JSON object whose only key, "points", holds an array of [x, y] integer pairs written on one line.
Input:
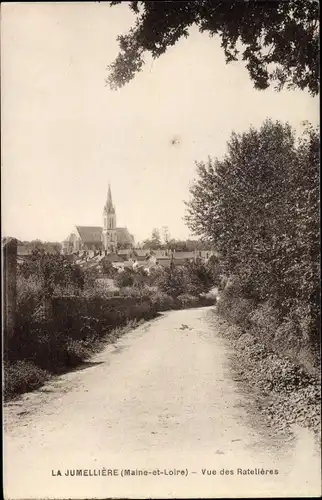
{"points": [[9, 284]]}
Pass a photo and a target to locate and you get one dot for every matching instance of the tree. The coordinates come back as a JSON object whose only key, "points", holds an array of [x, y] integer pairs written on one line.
{"points": [[173, 281], [199, 277], [278, 40], [108, 268], [53, 270], [259, 205], [166, 235], [47, 246], [187, 245], [124, 278], [124, 246], [155, 242]]}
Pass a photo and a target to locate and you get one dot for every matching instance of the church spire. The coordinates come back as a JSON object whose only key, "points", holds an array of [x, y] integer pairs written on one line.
{"points": [[109, 207]]}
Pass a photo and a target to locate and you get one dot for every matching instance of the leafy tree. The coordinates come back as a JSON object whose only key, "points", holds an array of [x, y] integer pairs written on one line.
{"points": [[52, 270], [193, 278], [156, 239], [124, 246], [260, 206], [166, 235], [187, 245], [108, 268], [155, 242], [199, 277], [278, 40], [173, 280], [216, 270], [46, 246], [124, 278]]}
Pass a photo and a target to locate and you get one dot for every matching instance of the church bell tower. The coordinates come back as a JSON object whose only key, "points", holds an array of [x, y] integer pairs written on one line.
{"points": [[109, 224]]}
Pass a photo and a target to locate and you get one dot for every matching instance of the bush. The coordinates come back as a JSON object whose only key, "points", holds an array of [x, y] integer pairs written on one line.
{"points": [[30, 296], [53, 270], [124, 278], [138, 292], [108, 269], [200, 278], [187, 300], [162, 301], [235, 308], [173, 281], [22, 376], [77, 351]]}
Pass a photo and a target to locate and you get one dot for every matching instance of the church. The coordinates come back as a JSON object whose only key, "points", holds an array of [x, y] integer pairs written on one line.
{"points": [[108, 238]]}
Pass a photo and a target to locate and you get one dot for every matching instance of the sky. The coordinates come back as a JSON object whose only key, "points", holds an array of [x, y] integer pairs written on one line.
{"points": [[66, 135]]}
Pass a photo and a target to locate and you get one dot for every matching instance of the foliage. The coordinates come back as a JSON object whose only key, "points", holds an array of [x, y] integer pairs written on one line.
{"points": [[187, 300], [236, 308], [46, 246], [154, 243], [108, 269], [199, 278], [278, 40], [22, 376], [124, 278], [78, 325], [173, 244], [166, 235], [193, 278], [124, 246], [162, 301], [173, 281], [63, 315], [53, 270], [259, 205], [187, 245]]}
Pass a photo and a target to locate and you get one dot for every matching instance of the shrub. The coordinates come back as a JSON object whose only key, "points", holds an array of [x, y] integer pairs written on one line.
{"points": [[199, 277], [53, 270], [162, 301], [137, 292], [124, 278], [187, 300], [30, 296], [22, 376], [265, 322], [108, 269], [77, 351], [235, 308], [173, 281]]}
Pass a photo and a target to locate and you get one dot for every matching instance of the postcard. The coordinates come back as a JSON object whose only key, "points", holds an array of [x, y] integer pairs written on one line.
{"points": [[160, 249]]}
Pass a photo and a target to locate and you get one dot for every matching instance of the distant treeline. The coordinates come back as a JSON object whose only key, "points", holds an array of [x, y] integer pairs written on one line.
{"points": [[50, 246]]}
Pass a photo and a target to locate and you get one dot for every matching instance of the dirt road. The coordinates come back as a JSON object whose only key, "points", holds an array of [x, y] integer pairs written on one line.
{"points": [[162, 399]]}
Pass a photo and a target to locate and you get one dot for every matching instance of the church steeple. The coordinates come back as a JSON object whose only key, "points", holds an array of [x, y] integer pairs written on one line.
{"points": [[109, 224], [109, 207]]}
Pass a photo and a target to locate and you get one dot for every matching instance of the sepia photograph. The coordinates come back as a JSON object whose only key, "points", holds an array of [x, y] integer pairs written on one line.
{"points": [[160, 168]]}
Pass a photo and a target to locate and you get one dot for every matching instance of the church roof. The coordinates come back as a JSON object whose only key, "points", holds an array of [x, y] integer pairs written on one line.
{"points": [[90, 234], [93, 234], [123, 235]]}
